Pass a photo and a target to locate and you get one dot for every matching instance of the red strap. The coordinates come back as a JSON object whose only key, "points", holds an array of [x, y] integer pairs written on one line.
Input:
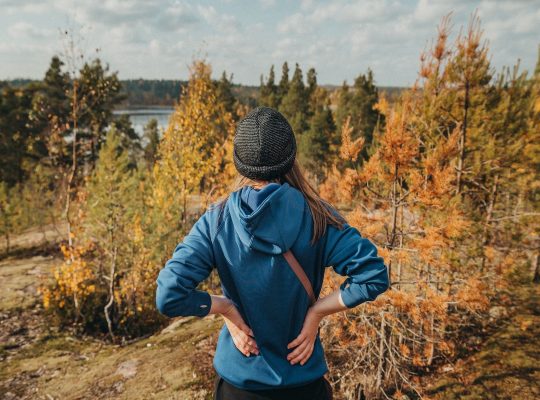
{"points": [[300, 273]]}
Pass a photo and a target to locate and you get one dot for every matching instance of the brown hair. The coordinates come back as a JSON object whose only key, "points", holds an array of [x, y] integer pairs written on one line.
{"points": [[321, 211]]}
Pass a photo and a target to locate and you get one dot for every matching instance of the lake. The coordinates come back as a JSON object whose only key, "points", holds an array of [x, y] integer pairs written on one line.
{"points": [[139, 117]]}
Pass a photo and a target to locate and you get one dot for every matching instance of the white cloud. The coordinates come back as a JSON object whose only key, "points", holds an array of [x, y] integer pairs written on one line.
{"points": [[340, 38]]}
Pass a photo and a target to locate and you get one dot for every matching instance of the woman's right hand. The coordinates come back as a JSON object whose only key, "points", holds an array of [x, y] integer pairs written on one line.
{"points": [[242, 334], [306, 339]]}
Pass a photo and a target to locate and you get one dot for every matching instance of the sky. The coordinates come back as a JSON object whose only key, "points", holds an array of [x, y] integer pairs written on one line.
{"points": [[340, 39]]}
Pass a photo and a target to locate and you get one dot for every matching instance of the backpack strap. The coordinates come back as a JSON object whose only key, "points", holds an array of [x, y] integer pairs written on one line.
{"points": [[300, 273]]}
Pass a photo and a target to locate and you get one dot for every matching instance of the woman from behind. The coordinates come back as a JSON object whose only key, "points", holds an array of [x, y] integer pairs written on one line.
{"points": [[269, 346]]}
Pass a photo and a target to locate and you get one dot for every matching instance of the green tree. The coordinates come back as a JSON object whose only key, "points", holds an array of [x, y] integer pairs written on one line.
{"points": [[269, 91], [294, 105], [311, 78], [152, 138], [320, 144], [7, 215], [283, 86], [225, 94], [17, 138], [99, 91], [129, 139], [358, 102], [111, 191]]}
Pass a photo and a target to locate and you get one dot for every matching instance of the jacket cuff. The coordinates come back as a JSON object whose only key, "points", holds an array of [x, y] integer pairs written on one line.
{"points": [[349, 299], [200, 302]]}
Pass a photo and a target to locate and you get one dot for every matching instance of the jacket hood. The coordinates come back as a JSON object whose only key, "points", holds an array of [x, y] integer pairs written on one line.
{"points": [[275, 222]]}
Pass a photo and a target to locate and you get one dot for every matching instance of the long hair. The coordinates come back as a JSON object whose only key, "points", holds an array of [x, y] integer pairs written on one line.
{"points": [[321, 212]]}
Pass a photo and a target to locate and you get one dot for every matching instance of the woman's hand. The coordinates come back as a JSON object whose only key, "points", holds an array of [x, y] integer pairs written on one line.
{"points": [[306, 339], [241, 334]]}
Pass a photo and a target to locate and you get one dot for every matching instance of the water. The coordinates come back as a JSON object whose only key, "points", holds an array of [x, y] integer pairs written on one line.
{"points": [[140, 117]]}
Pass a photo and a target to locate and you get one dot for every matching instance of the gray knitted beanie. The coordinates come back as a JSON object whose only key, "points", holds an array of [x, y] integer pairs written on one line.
{"points": [[264, 144]]}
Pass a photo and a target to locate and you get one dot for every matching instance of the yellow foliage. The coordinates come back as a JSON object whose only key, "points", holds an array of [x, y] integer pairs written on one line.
{"points": [[349, 149]]}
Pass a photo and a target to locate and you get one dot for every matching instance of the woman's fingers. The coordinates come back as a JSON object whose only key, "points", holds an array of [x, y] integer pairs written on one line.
{"points": [[240, 347], [299, 339], [304, 355], [241, 332], [242, 341], [244, 348], [301, 347]]}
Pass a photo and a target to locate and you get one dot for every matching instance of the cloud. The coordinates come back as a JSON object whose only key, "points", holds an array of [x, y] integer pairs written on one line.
{"points": [[340, 38]]}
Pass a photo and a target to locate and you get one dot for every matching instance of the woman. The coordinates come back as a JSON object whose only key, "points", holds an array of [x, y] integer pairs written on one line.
{"points": [[269, 346]]}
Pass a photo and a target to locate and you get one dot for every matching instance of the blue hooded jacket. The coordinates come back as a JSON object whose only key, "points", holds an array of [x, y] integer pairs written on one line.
{"points": [[245, 240]]}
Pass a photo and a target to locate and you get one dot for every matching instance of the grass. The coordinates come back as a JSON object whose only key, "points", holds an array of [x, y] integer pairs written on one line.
{"points": [[507, 365]]}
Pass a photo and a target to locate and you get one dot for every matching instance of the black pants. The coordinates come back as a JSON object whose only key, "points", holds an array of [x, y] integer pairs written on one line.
{"points": [[317, 390]]}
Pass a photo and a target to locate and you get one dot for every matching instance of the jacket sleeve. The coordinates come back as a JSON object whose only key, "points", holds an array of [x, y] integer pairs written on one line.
{"points": [[356, 257], [191, 263]]}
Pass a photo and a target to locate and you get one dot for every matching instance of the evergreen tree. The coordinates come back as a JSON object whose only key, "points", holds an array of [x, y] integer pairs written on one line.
{"points": [[152, 138], [129, 139], [98, 92], [283, 86], [16, 134], [51, 110], [358, 102], [269, 91], [311, 85], [111, 191], [294, 105], [320, 143], [225, 94]]}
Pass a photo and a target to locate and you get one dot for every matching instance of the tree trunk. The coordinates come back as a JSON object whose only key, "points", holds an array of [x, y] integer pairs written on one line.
{"points": [[381, 363], [489, 216], [536, 278], [112, 274], [462, 138]]}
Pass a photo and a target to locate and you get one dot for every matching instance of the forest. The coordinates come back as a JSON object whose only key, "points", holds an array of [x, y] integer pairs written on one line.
{"points": [[442, 177]]}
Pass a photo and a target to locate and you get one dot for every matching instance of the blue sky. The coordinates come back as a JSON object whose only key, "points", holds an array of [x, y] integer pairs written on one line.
{"points": [[159, 39]]}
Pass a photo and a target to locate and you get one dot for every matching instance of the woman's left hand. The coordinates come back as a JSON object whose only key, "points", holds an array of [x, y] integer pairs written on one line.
{"points": [[305, 341], [241, 333]]}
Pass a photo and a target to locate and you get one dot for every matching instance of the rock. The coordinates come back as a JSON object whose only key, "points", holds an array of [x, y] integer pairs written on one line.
{"points": [[119, 387], [497, 312], [176, 324], [128, 369]]}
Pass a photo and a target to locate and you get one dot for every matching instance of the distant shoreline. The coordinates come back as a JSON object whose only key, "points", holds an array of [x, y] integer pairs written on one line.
{"points": [[143, 110]]}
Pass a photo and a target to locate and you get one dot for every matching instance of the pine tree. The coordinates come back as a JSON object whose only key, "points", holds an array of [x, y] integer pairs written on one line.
{"points": [[225, 94], [269, 91], [311, 78], [99, 92], [152, 138], [470, 73], [283, 86], [15, 135], [358, 102], [6, 216], [129, 139], [320, 143], [294, 105], [111, 192]]}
